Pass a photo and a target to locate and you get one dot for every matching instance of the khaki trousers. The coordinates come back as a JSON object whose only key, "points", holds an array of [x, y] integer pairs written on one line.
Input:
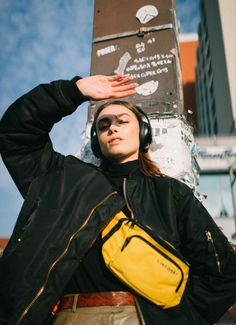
{"points": [[104, 315]]}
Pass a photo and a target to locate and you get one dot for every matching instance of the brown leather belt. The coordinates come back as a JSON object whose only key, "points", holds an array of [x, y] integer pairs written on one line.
{"points": [[113, 298]]}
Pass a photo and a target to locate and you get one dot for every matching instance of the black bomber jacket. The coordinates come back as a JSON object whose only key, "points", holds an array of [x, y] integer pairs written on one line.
{"points": [[67, 204]]}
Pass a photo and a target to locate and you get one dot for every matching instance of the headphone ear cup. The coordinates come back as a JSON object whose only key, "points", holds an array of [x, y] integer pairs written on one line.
{"points": [[145, 135], [95, 146], [94, 143]]}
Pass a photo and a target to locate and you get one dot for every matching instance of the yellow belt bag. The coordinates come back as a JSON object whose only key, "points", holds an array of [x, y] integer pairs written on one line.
{"points": [[151, 267]]}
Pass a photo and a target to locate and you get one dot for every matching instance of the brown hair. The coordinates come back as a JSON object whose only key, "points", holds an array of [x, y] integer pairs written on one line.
{"points": [[147, 166]]}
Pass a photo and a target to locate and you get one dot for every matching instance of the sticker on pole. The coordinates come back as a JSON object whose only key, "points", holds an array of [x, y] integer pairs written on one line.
{"points": [[123, 62], [146, 13], [148, 88]]}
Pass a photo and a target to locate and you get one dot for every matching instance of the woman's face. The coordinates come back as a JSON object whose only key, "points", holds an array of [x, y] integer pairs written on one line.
{"points": [[118, 133]]}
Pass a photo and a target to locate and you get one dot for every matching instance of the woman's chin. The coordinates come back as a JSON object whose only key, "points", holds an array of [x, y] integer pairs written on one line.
{"points": [[120, 157]]}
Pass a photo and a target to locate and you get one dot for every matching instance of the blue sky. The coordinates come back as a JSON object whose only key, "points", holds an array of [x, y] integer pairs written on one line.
{"points": [[42, 41]]}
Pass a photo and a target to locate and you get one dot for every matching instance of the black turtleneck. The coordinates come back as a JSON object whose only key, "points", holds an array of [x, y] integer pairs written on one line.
{"points": [[92, 274], [117, 172]]}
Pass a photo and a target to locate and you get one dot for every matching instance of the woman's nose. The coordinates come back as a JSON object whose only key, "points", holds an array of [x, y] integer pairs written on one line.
{"points": [[113, 127]]}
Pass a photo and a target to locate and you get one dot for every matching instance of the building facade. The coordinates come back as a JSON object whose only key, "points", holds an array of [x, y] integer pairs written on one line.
{"points": [[216, 68], [216, 109], [188, 44]]}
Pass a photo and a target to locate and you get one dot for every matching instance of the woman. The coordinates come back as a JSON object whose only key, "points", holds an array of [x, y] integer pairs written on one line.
{"points": [[56, 243]]}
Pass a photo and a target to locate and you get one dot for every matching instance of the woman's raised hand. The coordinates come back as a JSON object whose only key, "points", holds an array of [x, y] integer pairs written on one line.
{"points": [[104, 87]]}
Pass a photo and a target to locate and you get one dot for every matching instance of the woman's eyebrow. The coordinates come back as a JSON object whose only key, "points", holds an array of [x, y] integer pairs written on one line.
{"points": [[111, 115], [121, 114]]}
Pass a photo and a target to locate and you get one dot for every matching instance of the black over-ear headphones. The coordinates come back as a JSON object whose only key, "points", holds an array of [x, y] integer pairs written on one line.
{"points": [[145, 134]]}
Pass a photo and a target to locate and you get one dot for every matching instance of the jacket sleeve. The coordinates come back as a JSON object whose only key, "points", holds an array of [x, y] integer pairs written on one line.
{"points": [[212, 281], [24, 130]]}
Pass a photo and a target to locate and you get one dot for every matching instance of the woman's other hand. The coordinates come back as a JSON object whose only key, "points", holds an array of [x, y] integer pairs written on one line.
{"points": [[104, 87]]}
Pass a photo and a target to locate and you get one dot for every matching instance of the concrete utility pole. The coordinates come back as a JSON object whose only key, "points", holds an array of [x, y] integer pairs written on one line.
{"points": [[140, 39]]}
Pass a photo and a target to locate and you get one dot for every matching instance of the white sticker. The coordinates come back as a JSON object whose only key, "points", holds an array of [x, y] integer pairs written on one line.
{"points": [[151, 40], [107, 50], [148, 88], [140, 47], [146, 13], [123, 62]]}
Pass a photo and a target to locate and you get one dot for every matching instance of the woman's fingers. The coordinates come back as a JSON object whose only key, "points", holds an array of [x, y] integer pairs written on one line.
{"points": [[119, 79], [115, 77], [103, 87], [126, 87], [123, 91], [120, 86], [122, 94]]}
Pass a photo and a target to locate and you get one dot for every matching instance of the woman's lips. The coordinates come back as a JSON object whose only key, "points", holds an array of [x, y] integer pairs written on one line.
{"points": [[115, 140]]}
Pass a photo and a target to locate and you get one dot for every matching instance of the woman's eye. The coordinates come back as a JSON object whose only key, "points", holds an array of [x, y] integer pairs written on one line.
{"points": [[123, 121], [103, 124], [103, 127]]}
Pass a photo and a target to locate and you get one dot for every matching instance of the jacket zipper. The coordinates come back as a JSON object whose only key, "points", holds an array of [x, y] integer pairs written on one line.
{"points": [[126, 199], [61, 256], [211, 242], [139, 310]]}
